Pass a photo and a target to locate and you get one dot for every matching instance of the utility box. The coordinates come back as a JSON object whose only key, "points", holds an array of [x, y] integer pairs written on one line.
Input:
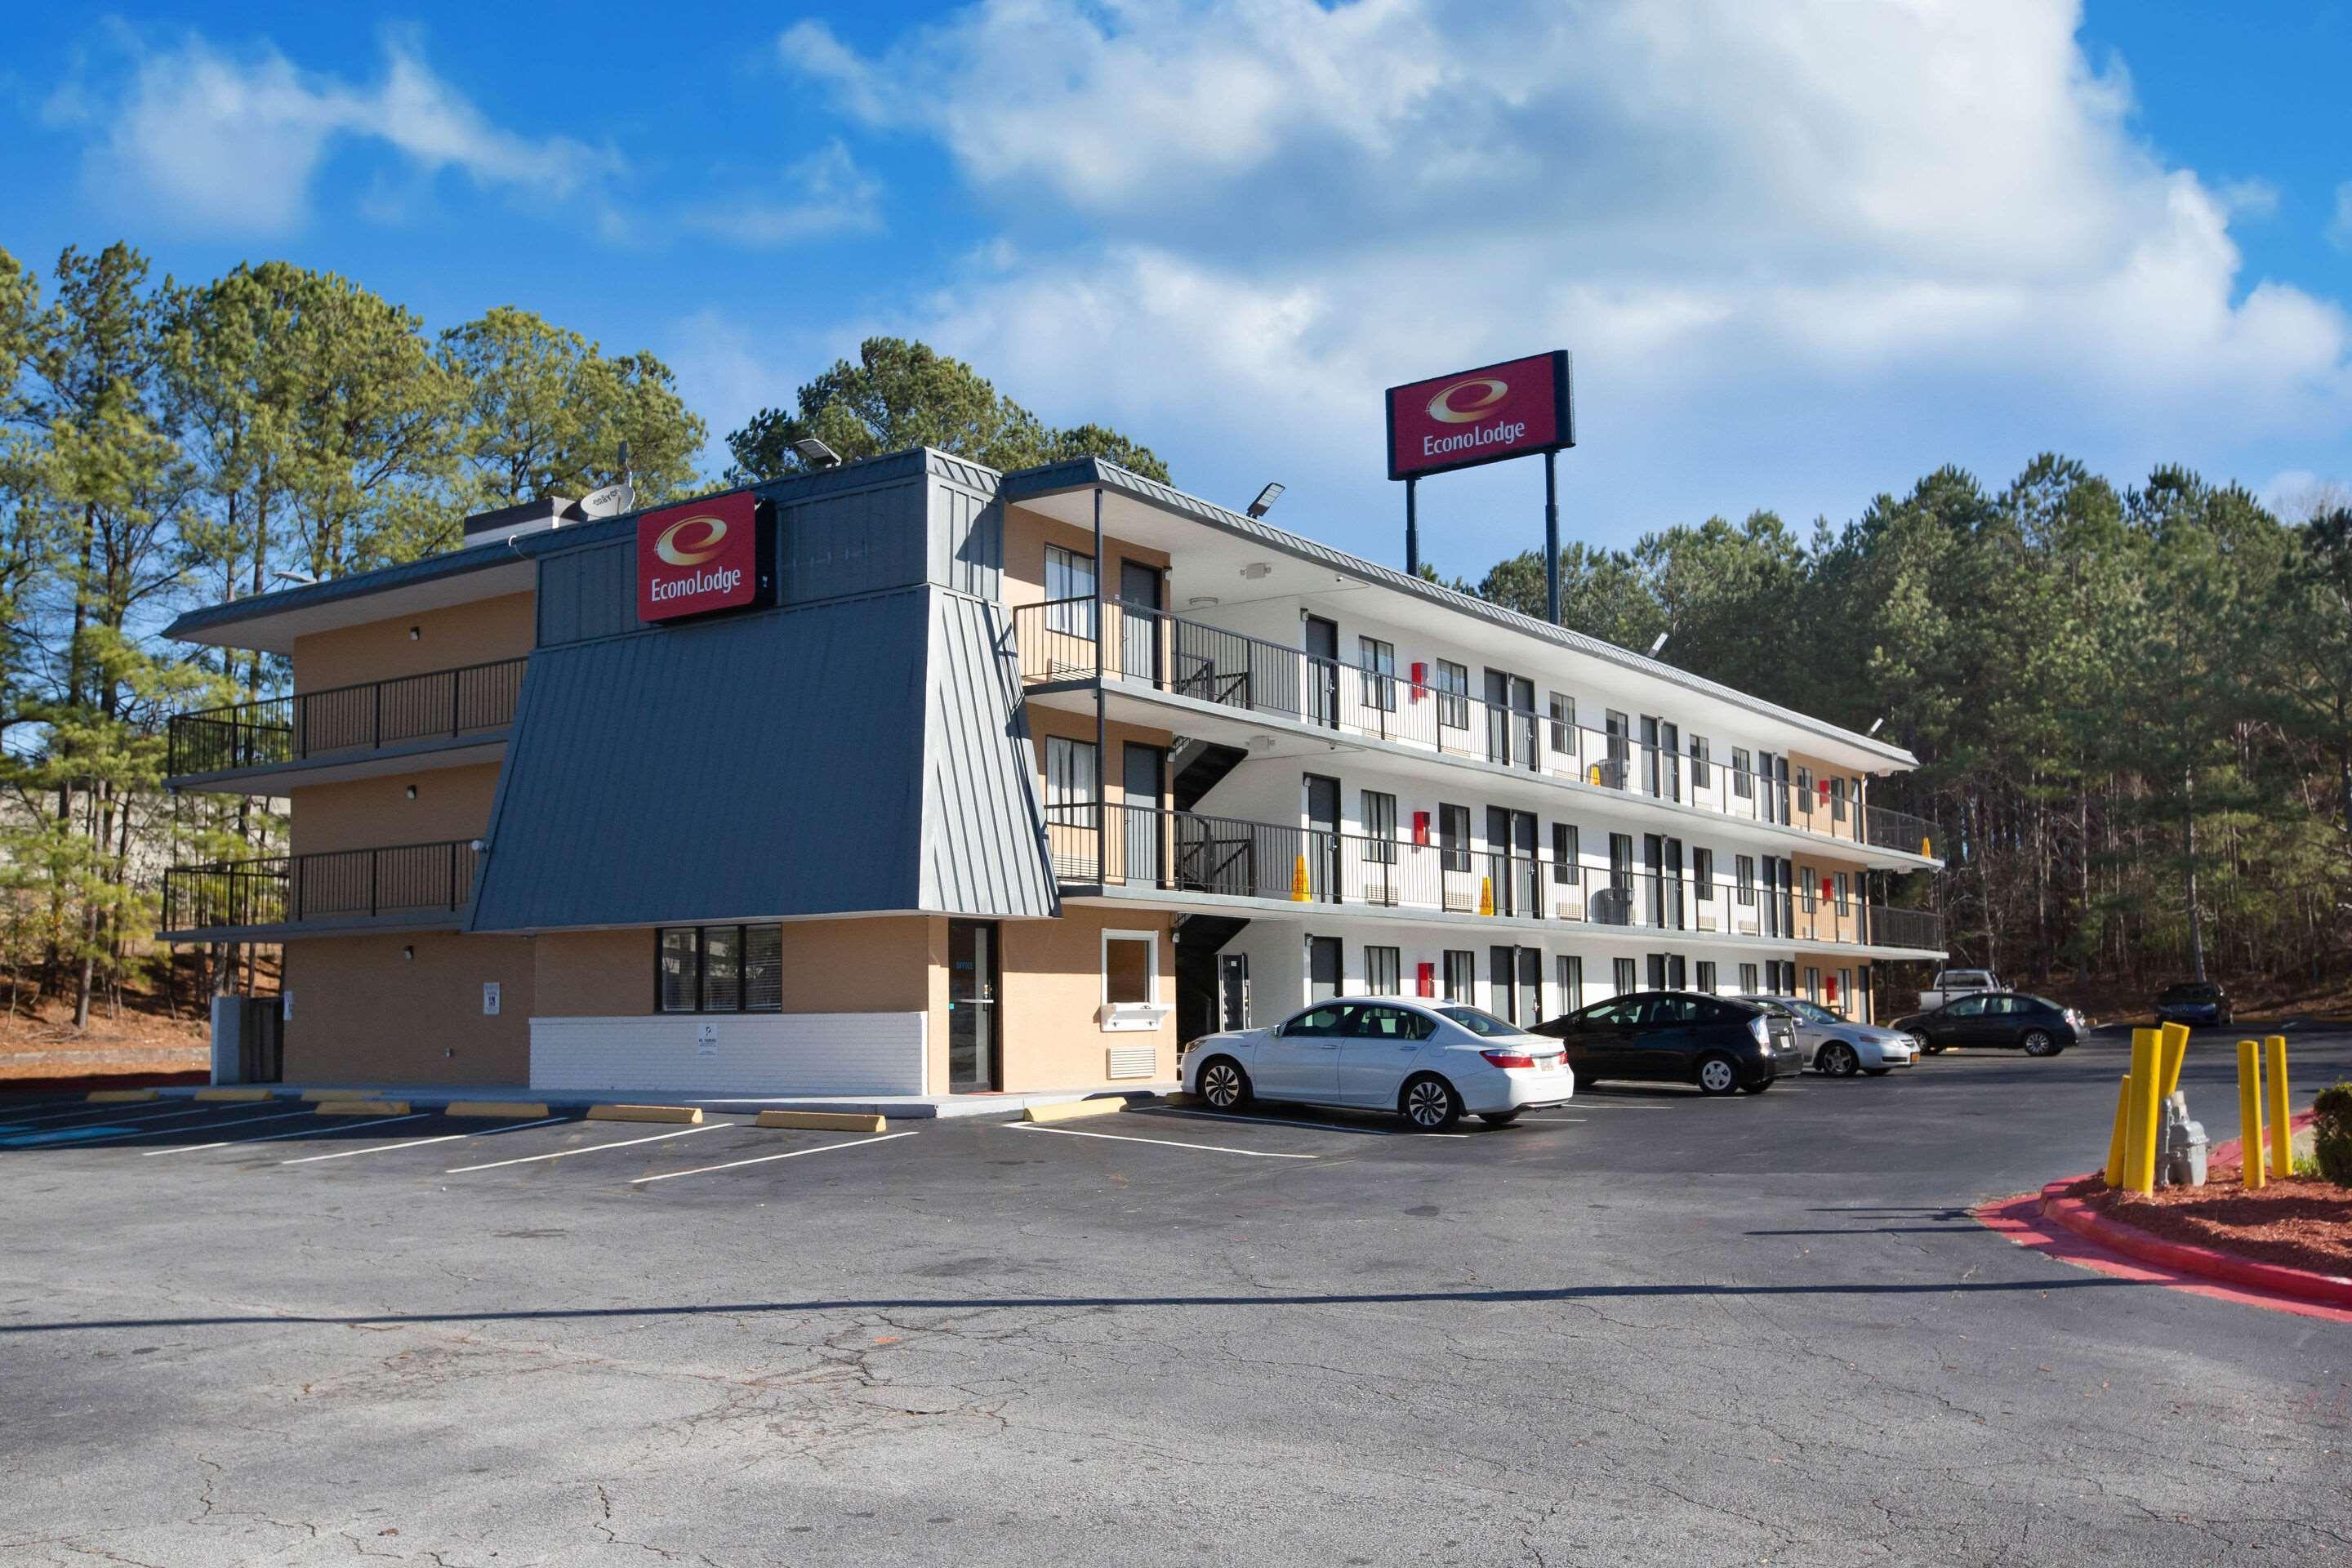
{"points": [[2180, 1146]]}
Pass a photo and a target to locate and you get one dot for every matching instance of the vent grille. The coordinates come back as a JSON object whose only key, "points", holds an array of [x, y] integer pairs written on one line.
{"points": [[1133, 1061]]}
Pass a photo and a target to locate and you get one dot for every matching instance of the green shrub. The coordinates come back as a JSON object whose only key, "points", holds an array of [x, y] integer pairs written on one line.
{"points": [[2331, 1129]]}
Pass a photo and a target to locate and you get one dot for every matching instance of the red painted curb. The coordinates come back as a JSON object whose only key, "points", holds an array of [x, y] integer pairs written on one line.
{"points": [[2329, 1289]]}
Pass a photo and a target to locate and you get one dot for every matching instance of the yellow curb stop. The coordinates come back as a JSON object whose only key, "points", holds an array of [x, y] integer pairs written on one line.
{"points": [[1070, 1110], [686, 1113], [120, 1096], [824, 1120], [236, 1096], [362, 1108]]}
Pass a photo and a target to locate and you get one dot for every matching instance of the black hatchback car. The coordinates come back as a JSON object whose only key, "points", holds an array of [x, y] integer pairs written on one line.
{"points": [[1718, 1043], [2010, 1019], [2194, 1001]]}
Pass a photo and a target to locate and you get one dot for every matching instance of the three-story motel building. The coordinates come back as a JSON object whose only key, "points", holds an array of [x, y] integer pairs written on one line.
{"points": [[910, 777]]}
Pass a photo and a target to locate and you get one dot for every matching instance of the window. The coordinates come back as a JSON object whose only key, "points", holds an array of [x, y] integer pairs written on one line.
{"points": [[1564, 853], [1656, 964], [1069, 576], [1747, 980], [1744, 869], [1390, 1023], [1318, 1023], [1479, 1023], [1837, 800], [1377, 659], [1812, 984], [1845, 989], [1563, 723], [1453, 684], [1621, 861], [1707, 975], [1703, 874], [1069, 772], [1454, 836], [1844, 890], [1462, 976], [719, 969], [1805, 877], [1571, 982], [1130, 966], [1624, 977], [1383, 972], [1743, 783], [1380, 827], [1698, 761]]}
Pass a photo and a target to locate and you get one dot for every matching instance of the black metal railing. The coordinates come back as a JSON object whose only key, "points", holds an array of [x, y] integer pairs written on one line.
{"points": [[343, 884], [346, 719], [1130, 846], [1418, 707]]}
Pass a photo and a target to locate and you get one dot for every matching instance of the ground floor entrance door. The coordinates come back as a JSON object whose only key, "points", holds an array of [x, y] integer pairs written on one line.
{"points": [[1322, 968], [975, 1053]]}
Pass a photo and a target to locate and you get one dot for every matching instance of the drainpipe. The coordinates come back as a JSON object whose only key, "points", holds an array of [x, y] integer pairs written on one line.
{"points": [[1102, 742]]}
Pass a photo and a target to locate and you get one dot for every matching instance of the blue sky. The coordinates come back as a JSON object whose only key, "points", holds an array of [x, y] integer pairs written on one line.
{"points": [[1803, 253]]}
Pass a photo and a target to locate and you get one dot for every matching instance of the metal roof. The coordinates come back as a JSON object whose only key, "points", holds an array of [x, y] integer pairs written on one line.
{"points": [[767, 766], [1087, 473]]}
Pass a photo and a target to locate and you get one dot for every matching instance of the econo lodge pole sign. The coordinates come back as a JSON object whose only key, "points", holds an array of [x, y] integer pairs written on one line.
{"points": [[701, 557], [1514, 409]]}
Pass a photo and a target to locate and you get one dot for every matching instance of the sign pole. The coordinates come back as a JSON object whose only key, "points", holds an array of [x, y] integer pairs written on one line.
{"points": [[1552, 536], [1412, 532]]}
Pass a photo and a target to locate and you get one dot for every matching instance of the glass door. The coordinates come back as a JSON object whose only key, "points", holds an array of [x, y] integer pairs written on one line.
{"points": [[974, 1053]]}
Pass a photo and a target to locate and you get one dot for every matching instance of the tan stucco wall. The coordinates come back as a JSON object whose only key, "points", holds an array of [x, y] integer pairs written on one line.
{"points": [[363, 1014], [1816, 814], [1053, 983], [594, 974], [1027, 534], [487, 629], [363, 813], [830, 967]]}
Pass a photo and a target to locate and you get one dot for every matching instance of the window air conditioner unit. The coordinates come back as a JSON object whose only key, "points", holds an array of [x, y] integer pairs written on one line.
{"points": [[1707, 919], [1747, 925], [1571, 905]]}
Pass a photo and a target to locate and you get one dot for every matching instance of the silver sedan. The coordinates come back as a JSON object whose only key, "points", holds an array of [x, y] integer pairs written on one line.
{"points": [[1838, 1047]]}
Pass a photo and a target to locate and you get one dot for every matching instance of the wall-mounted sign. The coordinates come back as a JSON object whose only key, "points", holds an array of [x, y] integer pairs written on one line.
{"points": [[489, 998], [701, 557], [1483, 416]]}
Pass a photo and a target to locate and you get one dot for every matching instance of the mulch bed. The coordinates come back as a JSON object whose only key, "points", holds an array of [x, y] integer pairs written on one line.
{"points": [[2301, 1221]]}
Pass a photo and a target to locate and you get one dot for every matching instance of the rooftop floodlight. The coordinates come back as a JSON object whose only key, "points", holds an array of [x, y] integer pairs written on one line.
{"points": [[1875, 723], [1660, 643], [1265, 499], [816, 454]]}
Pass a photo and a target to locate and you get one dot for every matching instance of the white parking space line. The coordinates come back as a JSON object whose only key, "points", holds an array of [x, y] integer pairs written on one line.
{"points": [[1163, 1143], [208, 1126], [765, 1158], [1286, 1121], [116, 1113], [593, 1148], [275, 1137], [420, 1142]]}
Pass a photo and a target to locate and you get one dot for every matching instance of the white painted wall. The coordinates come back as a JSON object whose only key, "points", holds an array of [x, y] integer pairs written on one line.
{"points": [[765, 1054]]}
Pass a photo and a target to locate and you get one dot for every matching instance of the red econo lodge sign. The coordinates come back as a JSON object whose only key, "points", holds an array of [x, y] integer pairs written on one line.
{"points": [[1482, 415], [700, 557]]}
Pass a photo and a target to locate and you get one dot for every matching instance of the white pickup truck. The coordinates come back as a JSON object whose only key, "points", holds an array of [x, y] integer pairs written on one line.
{"points": [[1951, 985]]}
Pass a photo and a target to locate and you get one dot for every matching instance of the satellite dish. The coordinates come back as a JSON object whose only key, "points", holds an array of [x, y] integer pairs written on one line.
{"points": [[609, 502]]}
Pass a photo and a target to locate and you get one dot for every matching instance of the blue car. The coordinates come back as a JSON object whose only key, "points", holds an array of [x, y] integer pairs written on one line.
{"points": [[2194, 1001]]}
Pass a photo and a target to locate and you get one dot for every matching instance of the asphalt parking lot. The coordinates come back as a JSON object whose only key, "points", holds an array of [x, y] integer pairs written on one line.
{"points": [[1647, 1328]]}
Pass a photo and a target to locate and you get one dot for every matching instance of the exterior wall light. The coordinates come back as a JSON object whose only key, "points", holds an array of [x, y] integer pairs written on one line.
{"points": [[1256, 571], [408, 954], [412, 792], [416, 634]]}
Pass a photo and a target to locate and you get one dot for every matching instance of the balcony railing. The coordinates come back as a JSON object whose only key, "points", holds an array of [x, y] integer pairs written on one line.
{"points": [[1182, 851], [339, 886], [445, 703], [1056, 644]]}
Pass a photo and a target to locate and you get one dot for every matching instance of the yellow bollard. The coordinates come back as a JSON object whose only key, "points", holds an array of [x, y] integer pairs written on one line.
{"points": [[1298, 893], [2139, 1153], [2250, 1115], [1485, 895], [2176, 1051], [2282, 1123], [2117, 1139]]}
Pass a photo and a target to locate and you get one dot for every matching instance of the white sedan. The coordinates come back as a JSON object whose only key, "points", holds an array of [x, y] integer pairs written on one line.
{"points": [[1432, 1063], [1838, 1048]]}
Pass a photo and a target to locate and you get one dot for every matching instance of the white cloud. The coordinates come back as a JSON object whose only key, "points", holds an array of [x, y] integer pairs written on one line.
{"points": [[1791, 230], [234, 144], [823, 195]]}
